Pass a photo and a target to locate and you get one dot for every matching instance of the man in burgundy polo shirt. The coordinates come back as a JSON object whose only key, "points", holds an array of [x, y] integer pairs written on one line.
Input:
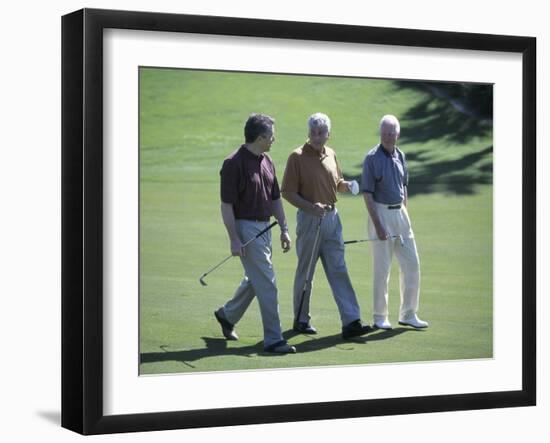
{"points": [[250, 195]]}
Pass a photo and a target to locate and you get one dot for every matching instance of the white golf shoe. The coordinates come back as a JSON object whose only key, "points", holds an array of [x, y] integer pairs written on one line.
{"points": [[414, 321], [382, 323]]}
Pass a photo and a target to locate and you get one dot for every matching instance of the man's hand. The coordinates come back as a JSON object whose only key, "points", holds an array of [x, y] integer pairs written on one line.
{"points": [[318, 210], [285, 241], [237, 248], [381, 232], [353, 187]]}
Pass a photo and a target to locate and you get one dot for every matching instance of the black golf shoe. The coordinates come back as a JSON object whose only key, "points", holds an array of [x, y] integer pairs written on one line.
{"points": [[281, 347], [228, 330], [355, 329], [303, 327]]}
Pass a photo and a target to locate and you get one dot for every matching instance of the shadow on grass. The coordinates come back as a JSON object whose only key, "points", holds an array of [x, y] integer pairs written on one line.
{"points": [[459, 176], [214, 347], [444, 118], [384, 334], [218, 347], [444, 114]]}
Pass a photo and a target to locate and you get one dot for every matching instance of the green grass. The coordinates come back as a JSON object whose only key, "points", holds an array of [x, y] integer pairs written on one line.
{"points": [[191, 120]]}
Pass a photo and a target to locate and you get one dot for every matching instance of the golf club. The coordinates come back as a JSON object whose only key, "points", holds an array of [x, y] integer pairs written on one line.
{"points": [[308, 276], [349, 242], [263, 231]]}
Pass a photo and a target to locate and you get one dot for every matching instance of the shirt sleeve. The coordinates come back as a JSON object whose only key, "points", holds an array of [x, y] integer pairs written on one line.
{"points": [[340, 176], [367, 175], [275, 191], [229, 182], [291, 177]]}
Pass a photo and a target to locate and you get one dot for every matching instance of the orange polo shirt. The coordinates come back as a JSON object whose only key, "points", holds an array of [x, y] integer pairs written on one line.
{"points": [[314, 177]]}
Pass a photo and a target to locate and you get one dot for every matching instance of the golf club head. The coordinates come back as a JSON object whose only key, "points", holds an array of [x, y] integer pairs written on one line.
{"points": [[202, 281]]}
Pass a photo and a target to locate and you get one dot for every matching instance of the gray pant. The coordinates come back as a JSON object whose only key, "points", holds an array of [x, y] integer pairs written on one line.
{"points": [[259, 281], [330, 248]]}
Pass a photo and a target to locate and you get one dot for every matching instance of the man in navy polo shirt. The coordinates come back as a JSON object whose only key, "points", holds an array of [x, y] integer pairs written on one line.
{"points": [[250, 195], [384, 185]]}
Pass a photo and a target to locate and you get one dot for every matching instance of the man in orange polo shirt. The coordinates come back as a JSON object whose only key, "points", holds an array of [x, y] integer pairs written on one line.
{"points": [[311, 181]]}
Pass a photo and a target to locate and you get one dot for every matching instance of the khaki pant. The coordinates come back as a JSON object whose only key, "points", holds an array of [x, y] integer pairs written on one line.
{"points": [[259, 281], [396, 222]]}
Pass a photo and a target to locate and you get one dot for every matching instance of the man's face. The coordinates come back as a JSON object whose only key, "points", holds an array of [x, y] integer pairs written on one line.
{"points": [[318, 136], [268, 139], [388, 135]]}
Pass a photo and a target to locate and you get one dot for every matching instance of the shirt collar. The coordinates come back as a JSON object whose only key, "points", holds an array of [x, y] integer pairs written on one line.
{"points": [[250, 154], [386, 153], [310, 150]]}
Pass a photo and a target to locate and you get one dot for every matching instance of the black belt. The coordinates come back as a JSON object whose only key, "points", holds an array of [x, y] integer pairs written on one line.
{"points": [[256, 219], [394, 206]]}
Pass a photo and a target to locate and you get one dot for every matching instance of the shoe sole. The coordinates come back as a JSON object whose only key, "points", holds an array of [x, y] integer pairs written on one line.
{"points": [[383, 329], [305, 332], [273, 351], [221, 321], [402, 323]]}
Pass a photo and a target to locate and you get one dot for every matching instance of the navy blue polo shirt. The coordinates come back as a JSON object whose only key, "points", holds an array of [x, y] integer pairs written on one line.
{"points": [[249, 183], [385, 175]]}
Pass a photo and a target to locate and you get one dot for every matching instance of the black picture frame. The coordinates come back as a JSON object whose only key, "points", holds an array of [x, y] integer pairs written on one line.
{"points": [[82, 220]]}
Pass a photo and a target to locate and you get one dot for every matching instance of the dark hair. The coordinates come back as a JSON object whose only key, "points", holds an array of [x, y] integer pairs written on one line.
{"points": [[256, 125]]}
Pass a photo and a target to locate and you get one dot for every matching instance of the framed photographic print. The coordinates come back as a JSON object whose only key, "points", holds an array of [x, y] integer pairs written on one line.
{"points": [[153, 104]]}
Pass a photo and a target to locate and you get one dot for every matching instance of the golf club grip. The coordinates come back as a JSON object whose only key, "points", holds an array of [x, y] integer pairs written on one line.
{"points": [[263, 231]]}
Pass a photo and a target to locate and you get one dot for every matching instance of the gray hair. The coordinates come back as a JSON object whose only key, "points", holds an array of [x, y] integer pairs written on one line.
{"points": [[318, 119], [391, 120]]}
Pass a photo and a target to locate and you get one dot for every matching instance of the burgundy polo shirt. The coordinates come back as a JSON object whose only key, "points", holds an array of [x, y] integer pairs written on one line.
{"points": [[249, 183]]}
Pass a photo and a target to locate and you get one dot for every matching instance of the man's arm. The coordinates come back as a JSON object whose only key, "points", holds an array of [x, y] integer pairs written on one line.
{"points": [[291, 180], [371, 207], [279, 214], [228, 217], [297, 200], [405, 196], [347, 186], [344, 186]]}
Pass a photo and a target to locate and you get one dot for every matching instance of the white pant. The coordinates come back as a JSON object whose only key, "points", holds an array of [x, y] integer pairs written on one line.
{"points": [[396, 222]]}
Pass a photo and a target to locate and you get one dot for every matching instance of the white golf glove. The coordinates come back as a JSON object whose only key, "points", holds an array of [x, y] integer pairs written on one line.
{"points": [[354, 187]]}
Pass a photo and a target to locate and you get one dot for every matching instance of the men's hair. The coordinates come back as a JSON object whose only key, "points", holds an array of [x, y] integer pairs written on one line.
{"points": [[318, 119], [256, 125], [390, 120]]}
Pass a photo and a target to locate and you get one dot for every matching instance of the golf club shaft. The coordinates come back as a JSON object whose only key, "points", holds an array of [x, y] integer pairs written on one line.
{"points": [[309, 266], [263, 231], [349, 242]]}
